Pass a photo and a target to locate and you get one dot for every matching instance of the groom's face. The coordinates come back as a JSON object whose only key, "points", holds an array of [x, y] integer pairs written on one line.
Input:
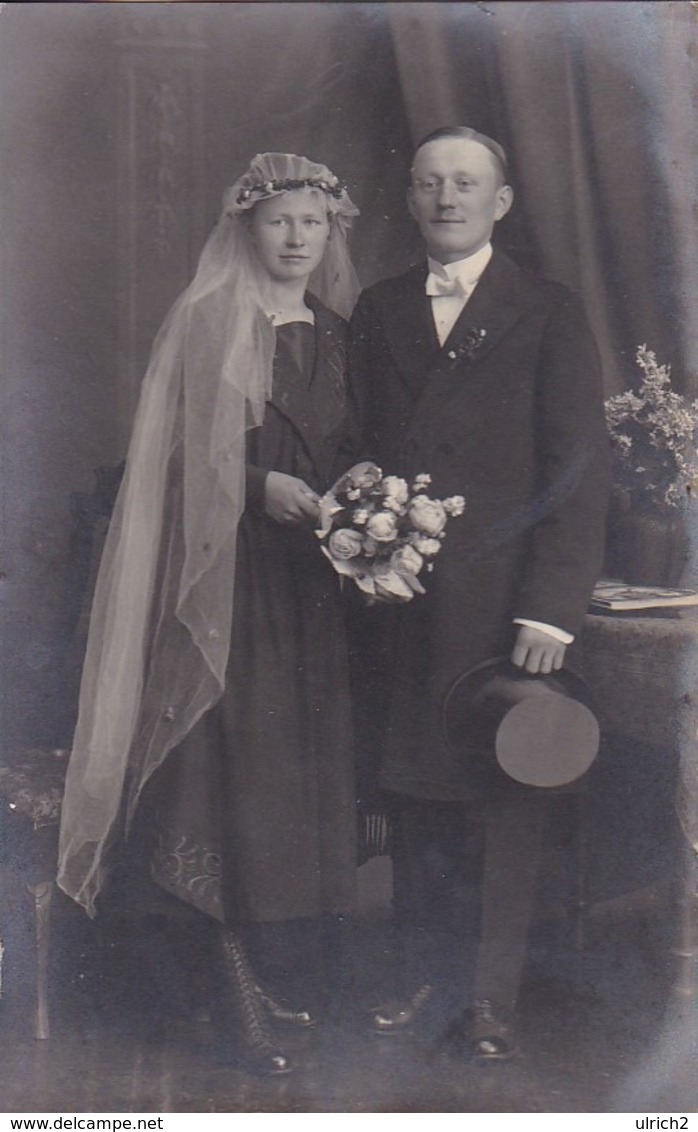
{"points": [[457, 196]]}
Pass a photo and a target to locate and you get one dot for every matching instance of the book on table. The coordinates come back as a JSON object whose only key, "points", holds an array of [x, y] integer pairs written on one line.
{"points": [[618, 596]]}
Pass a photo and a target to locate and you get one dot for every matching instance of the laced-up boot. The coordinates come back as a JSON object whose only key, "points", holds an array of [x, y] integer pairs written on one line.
{"points": [[240, 1014]]}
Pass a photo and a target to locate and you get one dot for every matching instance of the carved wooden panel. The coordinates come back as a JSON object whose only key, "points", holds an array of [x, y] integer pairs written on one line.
{"points": [[160, 180]]}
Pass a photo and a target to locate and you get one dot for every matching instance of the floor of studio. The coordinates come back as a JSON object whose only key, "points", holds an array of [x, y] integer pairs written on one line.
{"points": [[600, 1033]]}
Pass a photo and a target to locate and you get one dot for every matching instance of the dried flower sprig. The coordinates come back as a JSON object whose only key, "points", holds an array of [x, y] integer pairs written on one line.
{"points": [[654, 432]]}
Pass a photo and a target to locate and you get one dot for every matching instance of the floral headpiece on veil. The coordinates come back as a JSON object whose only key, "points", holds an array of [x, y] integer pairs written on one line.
{"points": [[272, 173], [160, 629]]}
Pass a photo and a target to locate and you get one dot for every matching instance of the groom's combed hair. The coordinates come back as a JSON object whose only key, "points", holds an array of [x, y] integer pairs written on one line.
{"points": [[469, 134]]}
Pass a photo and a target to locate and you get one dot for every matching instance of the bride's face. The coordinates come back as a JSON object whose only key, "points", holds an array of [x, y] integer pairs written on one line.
{"points": [[290, 233]]}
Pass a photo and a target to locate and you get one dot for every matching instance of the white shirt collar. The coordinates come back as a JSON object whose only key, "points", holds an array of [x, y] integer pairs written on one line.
{"points": [[467, 270]]}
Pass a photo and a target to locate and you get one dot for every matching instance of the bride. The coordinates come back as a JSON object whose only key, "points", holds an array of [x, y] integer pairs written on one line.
{"points": [[214, 723]]}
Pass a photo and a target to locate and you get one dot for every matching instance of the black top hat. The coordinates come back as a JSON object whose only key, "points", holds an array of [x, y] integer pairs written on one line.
{"points": [[540, 729]]}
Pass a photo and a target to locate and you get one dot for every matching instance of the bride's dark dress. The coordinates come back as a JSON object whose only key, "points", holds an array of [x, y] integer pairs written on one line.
{"points": [[254, 813]]}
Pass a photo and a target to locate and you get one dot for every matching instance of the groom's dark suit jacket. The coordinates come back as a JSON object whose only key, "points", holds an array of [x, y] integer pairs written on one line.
{"points": [[509, 414]]}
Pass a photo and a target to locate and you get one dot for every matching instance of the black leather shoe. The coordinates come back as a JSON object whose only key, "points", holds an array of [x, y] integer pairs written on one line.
{"points": [[394, 1018], [303, 1019], [487, 1033], [260, 1059]]}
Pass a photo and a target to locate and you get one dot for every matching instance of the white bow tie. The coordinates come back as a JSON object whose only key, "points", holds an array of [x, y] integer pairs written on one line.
{"points": [[437, 286]]}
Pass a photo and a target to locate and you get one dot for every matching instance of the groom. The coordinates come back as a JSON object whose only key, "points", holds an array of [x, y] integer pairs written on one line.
{"points": [[487, 378]]}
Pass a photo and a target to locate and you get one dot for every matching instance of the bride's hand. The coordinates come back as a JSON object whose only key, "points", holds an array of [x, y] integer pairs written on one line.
{"points": [[289, 500]]}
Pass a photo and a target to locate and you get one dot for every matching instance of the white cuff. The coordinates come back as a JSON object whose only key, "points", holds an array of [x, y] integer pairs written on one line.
{"points": [[551, 630]]}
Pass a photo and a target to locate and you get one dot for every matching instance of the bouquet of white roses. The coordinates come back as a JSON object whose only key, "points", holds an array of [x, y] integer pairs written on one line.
{"points": [[381, 531]]}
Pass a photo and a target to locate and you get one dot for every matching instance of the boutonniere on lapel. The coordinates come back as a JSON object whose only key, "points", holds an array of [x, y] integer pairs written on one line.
{"points": [[466, 350]]}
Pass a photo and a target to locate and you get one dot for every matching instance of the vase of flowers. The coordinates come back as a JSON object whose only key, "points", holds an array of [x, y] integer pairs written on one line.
{"points": [[652, 533]]}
